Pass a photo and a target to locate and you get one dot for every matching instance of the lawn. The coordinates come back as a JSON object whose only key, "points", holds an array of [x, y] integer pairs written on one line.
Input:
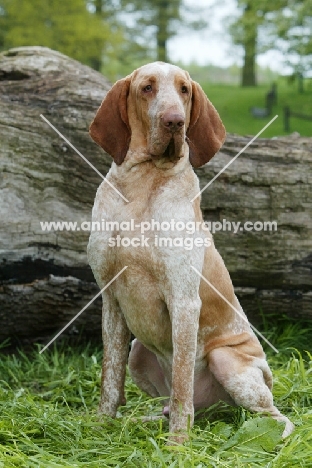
{"points": [[233, 104], [49, 401]]}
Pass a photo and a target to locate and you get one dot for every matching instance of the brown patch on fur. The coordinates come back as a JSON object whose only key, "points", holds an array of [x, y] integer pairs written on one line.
{"points": [[245, 345], [206, 132], [110, 127]]}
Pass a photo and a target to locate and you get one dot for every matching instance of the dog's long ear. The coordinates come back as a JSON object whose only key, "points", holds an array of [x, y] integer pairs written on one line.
{"points": [[206, 132], [110, 127]]}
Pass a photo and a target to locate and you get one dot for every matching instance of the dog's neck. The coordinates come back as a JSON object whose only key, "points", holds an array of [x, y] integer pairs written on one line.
{"points": [[138, 178], [140, 155]]}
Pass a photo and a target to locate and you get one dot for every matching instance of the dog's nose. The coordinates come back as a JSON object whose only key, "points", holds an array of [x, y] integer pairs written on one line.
{"points": [[172, 121]]}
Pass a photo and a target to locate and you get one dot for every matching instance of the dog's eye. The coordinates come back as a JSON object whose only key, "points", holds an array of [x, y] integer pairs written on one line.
{"points": [[184, 89], [148, 89]]}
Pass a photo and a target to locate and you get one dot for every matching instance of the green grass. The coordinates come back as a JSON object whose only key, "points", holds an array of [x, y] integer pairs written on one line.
{"points": [[233, 104], [48, 414]]}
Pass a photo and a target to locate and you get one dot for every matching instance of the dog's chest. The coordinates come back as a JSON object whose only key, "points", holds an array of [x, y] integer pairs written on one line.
{"points": [[147, 235], [153, 214]]}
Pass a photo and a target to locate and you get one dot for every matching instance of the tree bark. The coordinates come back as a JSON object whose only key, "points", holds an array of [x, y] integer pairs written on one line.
{"points": [[42, 179], [269, 181], [45, 278]]}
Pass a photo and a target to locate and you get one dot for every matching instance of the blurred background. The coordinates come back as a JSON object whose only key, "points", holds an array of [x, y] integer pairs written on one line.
{"points": [[253, 59]]}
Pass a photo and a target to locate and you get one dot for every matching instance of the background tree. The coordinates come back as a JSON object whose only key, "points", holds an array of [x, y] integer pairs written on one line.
{"points": [[124, 50], [112, 36], [293, 27], [250, 23], [246, 31], [160, 20], [105, 11]]}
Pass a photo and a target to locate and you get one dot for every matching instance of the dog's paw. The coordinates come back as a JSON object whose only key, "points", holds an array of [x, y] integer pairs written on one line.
{"points": [[107, 410], [177, 439]]}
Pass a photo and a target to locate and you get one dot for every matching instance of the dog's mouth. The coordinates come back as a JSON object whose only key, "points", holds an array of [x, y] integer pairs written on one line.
{"points": [[169, 152], [172, 152]]}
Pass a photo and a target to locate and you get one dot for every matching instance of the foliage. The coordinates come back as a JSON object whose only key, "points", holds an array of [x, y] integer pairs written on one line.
{"points": [[112, 36], [285, 25], [293, 26], [259, 12], [129, 48], [257, 434], [65, 26], [159, 20], [147, 27], [48, 415], [245, 32]]}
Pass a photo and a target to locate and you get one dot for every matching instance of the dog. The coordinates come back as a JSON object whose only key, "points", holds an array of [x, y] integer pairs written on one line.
{"points": [[191, 345]]}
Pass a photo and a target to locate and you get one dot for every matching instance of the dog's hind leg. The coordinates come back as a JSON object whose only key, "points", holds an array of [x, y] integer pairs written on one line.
{"points": [[248, 380], [146, 372]]}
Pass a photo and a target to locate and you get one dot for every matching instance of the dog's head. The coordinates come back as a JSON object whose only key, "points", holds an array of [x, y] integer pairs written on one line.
{"points": [[158, 107]]}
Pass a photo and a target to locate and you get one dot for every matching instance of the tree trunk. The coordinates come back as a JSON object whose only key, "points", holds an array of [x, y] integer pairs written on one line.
{"points": [[250, 48], [97, 61], [45, 278], [45, 275], [162, 30]]}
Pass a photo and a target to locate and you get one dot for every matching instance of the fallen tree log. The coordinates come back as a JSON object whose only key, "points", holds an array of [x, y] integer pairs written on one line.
{"points": [[269, 181], [45, 279]]}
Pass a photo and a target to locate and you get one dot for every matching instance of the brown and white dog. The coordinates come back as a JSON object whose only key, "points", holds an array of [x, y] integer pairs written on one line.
{"points": [[190, 345]]}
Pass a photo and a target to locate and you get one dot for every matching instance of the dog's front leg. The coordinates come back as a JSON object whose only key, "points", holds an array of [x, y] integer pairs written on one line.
{"points": [[184, 318], [116, 337]]}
